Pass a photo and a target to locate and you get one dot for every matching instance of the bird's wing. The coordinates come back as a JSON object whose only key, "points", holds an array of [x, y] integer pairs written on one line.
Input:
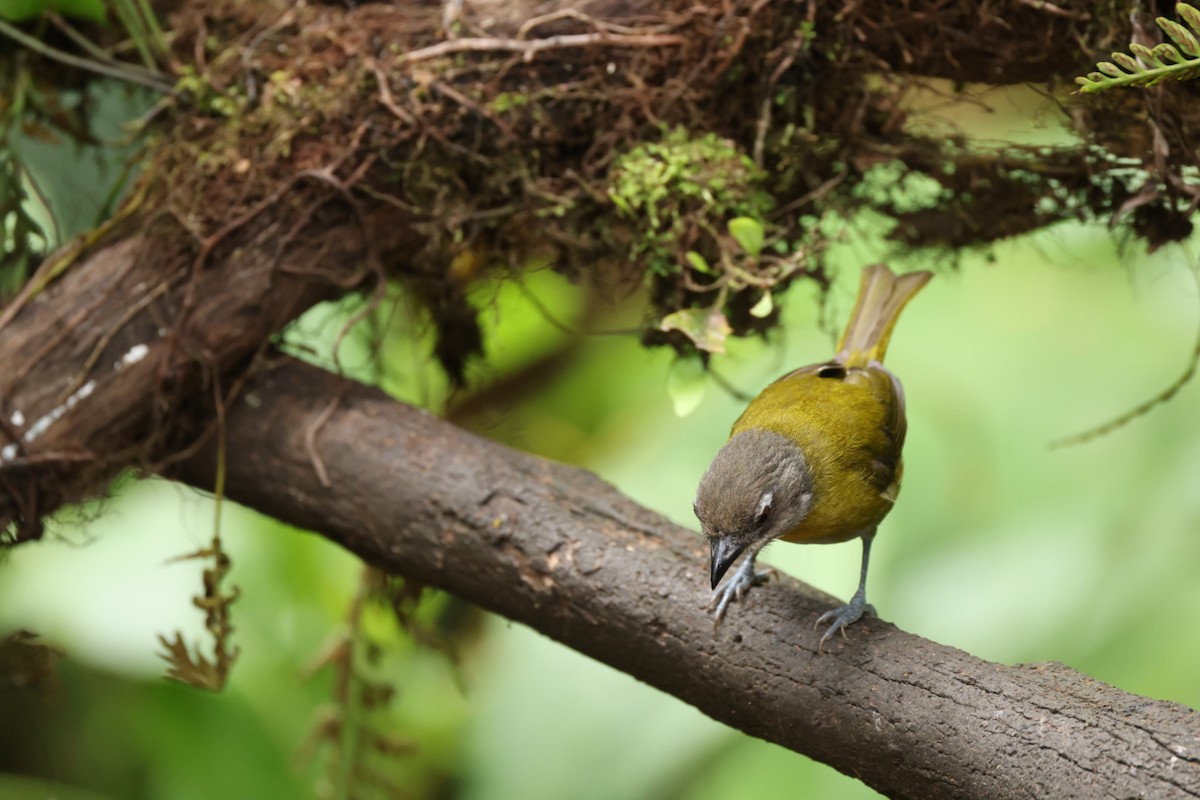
{"points": [[886, 467]]}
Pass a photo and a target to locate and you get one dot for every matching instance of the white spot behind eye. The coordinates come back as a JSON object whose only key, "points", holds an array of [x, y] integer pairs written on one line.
{"points": [[764, 507]]}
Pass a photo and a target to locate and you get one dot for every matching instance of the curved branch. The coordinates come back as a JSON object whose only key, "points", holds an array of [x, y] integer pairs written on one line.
{"points": [[99, 363], [556, 548]]}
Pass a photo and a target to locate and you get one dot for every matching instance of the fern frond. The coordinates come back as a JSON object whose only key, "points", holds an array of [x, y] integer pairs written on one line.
{"points": [[1149, 66]]}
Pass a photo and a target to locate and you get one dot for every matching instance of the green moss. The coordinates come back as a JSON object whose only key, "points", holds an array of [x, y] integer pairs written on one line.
{"points": [[681, 189], [206, 97], [892, 185], [506, 102]]}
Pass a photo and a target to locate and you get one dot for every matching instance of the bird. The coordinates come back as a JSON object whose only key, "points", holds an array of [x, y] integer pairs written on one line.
{"points": [[815, 457]]}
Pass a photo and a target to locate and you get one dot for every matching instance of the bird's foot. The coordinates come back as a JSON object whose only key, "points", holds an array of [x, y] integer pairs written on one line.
{"points": [[735, 588], [838, 618]]}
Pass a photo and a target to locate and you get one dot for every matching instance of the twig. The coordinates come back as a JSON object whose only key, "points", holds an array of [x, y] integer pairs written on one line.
{"points": [[816, 194], [310, 440], [129, 73], [82, 41], [1141, 409], [1050, 8], [576, 14], [764, 114], [467, 102], [385, 95], [529, 48]]}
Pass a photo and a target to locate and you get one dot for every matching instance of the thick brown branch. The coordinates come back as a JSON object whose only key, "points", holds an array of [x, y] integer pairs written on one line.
{"points": [[556, 548], [101, 369]]}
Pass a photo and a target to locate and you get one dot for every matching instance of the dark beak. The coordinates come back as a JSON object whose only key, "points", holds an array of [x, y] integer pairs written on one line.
{"points": [[724, 552]]}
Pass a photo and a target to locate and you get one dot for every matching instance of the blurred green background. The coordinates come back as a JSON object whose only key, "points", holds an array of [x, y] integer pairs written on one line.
{"points": [[999, 545]]}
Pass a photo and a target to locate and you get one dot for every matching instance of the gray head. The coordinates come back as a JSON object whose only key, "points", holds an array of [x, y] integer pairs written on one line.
{"points": [[757, 488]]}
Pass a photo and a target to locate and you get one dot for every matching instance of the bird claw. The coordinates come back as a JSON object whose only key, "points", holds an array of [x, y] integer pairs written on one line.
{"points": [[734, 589], [840, 617]]}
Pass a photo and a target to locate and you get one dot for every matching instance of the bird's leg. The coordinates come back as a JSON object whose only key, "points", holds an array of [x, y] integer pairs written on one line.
{"points": [[736, 586], [838, 618]]}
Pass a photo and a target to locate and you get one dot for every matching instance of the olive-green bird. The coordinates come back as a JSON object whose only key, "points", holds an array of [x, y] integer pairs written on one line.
{"points": [[815, 458]]}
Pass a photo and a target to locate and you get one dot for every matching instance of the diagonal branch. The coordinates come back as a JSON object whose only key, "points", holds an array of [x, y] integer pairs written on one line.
{"points": [[250, 221], [554, 547]]}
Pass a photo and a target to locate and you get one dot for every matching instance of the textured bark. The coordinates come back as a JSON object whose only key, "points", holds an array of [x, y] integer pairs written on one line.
{"points": [[102, 368], [558, 549]]}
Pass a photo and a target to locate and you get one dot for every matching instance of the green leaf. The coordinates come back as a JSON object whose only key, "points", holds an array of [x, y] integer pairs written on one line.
{"points": [[764, 306], [1149, 60], [698, 263], [706, 327], [84, 9], [749, 234], [1190, 15], [20, 10], [1167, 52], [1180, 35], [686, 384], [620, 203], [1128, 62]]}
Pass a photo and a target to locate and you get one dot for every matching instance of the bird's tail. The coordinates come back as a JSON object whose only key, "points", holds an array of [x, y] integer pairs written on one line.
{"points": [[882, 295]]}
